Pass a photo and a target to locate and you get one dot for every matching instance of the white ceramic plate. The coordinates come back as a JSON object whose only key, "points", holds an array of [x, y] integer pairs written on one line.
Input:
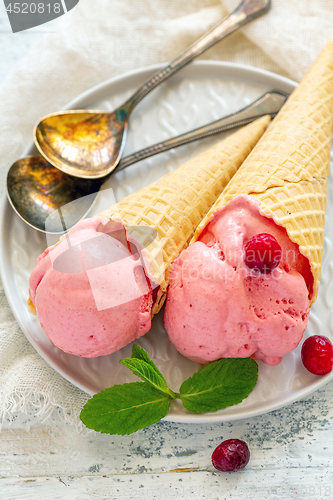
{"points": [[200, 93]]}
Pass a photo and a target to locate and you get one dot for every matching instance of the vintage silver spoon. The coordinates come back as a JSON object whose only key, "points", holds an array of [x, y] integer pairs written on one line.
{"points": [[36, 189], [90, 144]]}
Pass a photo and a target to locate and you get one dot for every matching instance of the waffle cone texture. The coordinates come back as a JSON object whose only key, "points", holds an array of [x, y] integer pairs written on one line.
{"points": [[287, 170], [170, 209]]}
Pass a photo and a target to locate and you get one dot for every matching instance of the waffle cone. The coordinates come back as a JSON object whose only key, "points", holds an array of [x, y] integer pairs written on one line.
{"points": [[287, 171], [169, 210]]}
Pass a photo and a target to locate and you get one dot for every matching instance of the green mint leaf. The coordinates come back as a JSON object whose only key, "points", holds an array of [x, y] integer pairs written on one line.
{"points": [[140, 353], [222, 383], [147, 373], [123, 409]]}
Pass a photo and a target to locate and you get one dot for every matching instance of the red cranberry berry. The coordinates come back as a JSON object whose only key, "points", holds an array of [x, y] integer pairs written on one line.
{"points": [[262, 253], [317, 354], [231, 455]]}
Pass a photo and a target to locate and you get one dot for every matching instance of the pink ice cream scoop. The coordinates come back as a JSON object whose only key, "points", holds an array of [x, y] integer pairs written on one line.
{"points": [[221, 303], [90, 291]]}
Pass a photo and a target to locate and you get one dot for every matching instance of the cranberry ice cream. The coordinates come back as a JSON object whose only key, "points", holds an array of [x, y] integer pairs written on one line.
{"points": [[90, 291], [241, 290]]}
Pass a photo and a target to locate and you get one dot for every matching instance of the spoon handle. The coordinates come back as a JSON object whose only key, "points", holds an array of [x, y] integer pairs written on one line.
{"points": [[268, 104], [245, 12]]}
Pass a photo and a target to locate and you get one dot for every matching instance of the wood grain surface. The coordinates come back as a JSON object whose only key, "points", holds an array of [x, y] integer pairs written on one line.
{"points": [[291, 457]]}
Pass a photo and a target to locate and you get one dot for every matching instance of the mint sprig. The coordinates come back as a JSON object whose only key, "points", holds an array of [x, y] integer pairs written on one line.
{"points": [[126, 408], [142, 366]]}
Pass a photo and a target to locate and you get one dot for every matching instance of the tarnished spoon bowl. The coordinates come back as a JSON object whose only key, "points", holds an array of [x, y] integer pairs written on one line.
{"points": [[36, 190], [88, 143]]}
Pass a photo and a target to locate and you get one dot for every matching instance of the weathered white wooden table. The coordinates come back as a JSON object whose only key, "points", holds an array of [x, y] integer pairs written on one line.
{"points": [[291, 457], [291, 449]]}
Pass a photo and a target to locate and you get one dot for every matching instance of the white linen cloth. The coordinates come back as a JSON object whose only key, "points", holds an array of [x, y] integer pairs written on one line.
{"points": [[97, 40]]}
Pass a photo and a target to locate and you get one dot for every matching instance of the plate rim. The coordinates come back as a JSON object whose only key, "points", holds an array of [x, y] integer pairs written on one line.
{"points": [[6, 276]]}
